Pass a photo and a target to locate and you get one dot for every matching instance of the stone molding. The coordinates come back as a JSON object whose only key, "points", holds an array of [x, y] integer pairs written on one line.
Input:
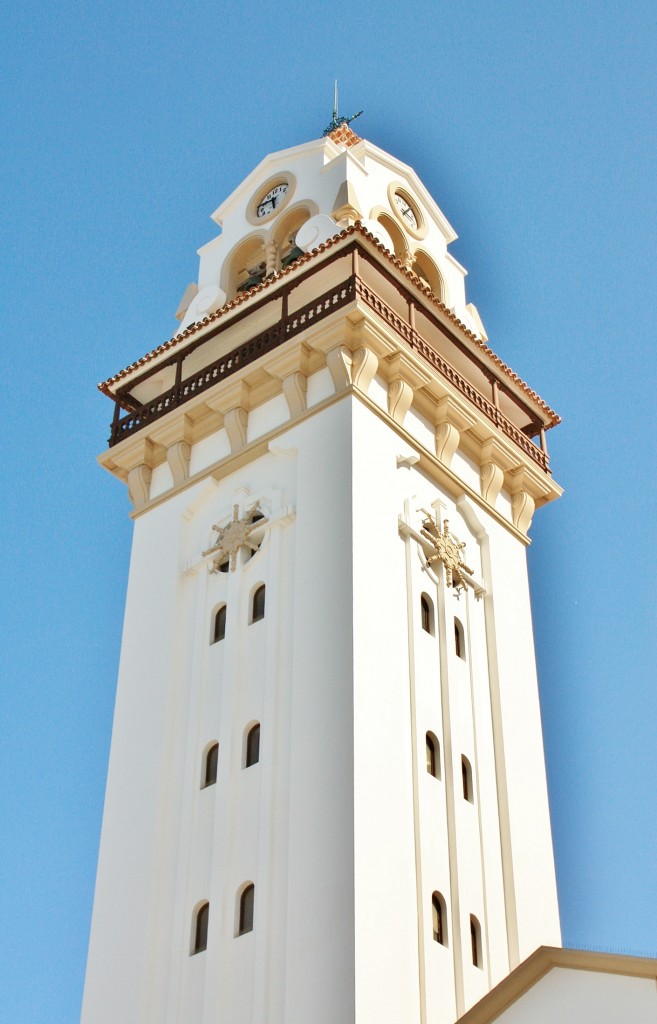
{"points": [[354, 347], [451, 419], [176, 438], [404, 379]]}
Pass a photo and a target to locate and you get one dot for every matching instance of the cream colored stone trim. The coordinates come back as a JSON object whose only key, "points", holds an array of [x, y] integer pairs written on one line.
{"points": [[236, 422], [271, 257], [291, 367], [346, 207], [354, 347], [495, 461], [427, 461], [135, 463], [348, 367], [262, 190], [139, 484], [402, 188], [404, 378], [175, 436], [295, 388], [452, 419], [543, 960]]}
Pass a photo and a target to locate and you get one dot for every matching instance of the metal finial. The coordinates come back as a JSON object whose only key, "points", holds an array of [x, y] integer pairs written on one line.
{"points": [[336, 121]]}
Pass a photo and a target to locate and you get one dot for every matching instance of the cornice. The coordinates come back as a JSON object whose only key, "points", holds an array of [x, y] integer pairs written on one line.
{"points": [[355, 345], [197, 330]]}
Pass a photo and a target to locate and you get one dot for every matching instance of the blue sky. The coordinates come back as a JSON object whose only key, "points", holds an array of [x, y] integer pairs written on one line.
{"points": [[125, 125]]}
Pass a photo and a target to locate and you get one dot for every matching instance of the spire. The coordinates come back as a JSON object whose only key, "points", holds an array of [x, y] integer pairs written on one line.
{"points": [[340, 122]]}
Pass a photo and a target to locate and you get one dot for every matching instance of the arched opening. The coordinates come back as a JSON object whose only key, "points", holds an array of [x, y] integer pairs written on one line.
{"points": [[219, 624], [433, 755], [252, 748], [258, 603], [439, 918], [459, 640], [285, 235], [396, 234], [428, 272], [426, 614], [246, 907], [247, 266], [475, 940], [211, 765], [225, 566], [466, 777], [200, 939]]}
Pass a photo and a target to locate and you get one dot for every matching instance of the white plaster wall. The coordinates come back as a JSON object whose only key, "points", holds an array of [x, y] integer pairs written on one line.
{"points": [[161, 480], [209, 450], [585, 997], [340, 828], [467, 469], [316, 173], [529, 816]]}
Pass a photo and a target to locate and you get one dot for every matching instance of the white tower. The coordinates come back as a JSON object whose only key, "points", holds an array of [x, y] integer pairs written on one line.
{"points": [[326, 798]]}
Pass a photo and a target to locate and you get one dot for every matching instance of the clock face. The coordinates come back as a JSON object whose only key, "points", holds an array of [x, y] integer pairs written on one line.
{"points": [[274, 198], [406, 210]]}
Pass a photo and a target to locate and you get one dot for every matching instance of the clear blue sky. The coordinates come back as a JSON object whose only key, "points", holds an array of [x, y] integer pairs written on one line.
{"points": [[533, 126]]}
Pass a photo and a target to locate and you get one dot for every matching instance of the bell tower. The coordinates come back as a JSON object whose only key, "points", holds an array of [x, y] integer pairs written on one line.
{"points": [[326, 797]]}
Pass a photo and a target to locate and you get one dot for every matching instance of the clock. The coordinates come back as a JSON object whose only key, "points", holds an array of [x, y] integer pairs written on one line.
{"points": [[405, 210], [272, 199]]}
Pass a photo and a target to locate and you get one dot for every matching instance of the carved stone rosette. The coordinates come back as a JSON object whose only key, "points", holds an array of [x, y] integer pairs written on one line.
{"points": [[446, 550], [233, 536]]}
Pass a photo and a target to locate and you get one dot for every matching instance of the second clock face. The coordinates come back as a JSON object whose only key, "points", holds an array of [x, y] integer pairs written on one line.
{"points": [[406, 210], [274, 198]]}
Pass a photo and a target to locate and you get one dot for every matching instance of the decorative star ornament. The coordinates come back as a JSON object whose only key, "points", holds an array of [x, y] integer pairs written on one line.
{"points": [[233, 536], [446, 550]]}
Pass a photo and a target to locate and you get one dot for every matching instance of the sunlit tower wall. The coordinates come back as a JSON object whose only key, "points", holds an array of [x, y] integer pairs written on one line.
{"points": [[326, 797]]}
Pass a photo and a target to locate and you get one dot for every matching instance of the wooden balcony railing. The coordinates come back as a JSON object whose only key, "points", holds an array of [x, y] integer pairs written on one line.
{"points": [[294, 323]]}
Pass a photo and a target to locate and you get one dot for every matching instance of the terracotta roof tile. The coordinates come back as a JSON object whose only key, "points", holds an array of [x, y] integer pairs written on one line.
{"points": [[344, 136]]}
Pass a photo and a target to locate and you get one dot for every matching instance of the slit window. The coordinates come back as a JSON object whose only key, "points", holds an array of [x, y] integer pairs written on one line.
{"points": [[466, 776], [459, 640], [219, 625], [438, 915], [211, 764], [433, 756], [252, 746], [475, 940], [426, 614], [201, 928], [247, 900], [258, 604]]}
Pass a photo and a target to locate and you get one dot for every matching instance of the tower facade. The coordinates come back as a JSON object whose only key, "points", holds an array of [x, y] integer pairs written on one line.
{"points": [[326, 797]]}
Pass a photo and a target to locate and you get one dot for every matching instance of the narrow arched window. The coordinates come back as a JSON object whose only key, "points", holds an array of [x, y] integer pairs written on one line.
{"points": [[252, 746], [211, 763], [246, 910], [475, 940], [258, 604], [439, 918], [219, 624], [426, 613], [459, 641], [225, 566], [433, 756], [201, 928], [466, 775]]}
